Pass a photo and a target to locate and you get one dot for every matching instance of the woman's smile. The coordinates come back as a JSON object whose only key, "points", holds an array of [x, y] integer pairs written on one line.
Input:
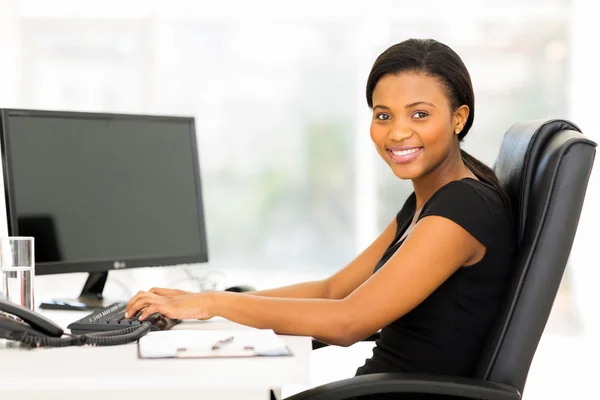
{"points": [[404, 154]]}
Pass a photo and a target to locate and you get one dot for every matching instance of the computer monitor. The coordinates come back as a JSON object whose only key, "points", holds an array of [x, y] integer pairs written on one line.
{"points": [[101, 192]]}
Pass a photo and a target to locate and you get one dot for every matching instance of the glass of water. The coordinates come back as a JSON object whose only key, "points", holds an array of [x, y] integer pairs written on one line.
{"points": [[17, 263]]}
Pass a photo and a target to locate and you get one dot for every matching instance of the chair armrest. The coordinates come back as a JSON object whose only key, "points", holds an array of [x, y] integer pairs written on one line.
{"points": [[317, 345], [410, 383]]}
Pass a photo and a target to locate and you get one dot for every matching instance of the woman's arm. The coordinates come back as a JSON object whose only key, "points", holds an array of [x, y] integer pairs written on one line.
{"points": [[343, 282], [318, 318], [433, 251], [361, 268], [337, 286], [304, 290]]}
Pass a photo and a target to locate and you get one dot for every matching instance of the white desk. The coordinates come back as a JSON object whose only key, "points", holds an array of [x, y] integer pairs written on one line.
{"points": [[117, 373]]}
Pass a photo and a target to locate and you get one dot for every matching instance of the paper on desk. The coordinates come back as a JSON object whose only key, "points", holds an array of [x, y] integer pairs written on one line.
{"points": [[199, 343]]}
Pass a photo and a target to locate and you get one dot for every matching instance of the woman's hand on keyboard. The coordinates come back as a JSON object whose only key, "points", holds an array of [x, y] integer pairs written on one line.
{"points": [[185, 306], [168, 292]]}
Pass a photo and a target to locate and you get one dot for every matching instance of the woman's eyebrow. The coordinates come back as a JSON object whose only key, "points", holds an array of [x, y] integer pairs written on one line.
{"points": [[416, 103], [381, 106]]}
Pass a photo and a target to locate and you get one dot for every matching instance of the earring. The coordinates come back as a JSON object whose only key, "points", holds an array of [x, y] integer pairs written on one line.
{"points": [[457, 131]]}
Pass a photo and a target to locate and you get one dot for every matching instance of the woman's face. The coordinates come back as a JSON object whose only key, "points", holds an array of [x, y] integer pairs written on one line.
{"points": [[413, 126]]}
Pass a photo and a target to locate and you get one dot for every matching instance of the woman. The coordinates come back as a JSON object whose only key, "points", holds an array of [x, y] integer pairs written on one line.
{"points": [[433, 280]]}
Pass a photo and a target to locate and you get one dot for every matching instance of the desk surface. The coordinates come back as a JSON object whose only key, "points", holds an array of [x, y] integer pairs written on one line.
{"points": [[71, 371]]}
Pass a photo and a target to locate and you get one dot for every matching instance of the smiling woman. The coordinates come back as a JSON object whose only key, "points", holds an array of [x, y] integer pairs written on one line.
{"points": [[427, 85], [433, 280], [425, 128]]}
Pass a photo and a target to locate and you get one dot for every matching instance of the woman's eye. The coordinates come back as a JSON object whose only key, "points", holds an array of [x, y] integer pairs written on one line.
{"points": [[382, 117], [420, 114]]}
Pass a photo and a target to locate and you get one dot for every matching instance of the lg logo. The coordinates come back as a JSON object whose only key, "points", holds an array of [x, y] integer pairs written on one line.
{"points": [[119, 264]]}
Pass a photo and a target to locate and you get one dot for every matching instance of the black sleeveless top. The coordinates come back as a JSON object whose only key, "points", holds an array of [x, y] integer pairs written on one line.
{"points": [[445, 333]]}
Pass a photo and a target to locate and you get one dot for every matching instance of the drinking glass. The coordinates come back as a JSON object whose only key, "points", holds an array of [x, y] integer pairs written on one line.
{"points": [[17, 263]]}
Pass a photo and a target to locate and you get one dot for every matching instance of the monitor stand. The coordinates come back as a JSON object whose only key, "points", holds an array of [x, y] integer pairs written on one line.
{"points": [[90, 299]]}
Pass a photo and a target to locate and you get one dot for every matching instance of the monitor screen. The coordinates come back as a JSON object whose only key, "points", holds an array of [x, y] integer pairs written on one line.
{"points": [[103, 191]]}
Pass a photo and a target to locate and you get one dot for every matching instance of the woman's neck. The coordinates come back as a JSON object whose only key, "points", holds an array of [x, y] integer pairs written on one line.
{"points": [[426, 186]]}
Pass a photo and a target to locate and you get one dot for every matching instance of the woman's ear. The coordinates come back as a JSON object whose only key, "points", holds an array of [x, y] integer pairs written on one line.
{"points": [[461, 115]]}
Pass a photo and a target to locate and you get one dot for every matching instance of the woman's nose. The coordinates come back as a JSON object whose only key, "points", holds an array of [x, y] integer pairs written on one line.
{"points": [[398, 134]]}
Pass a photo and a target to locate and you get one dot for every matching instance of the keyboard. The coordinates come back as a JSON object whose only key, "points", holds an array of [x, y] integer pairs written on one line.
{"points": [[113, 318]]}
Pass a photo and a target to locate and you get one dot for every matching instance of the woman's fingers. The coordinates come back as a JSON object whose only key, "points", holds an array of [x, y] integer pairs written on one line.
{"points": [[145, 299], [167, 292], [151, 309], [161, 291], [139, 301], [129, 307]]}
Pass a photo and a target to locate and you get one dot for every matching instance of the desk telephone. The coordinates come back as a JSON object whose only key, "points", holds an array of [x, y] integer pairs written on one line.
{"points": [[25, 326]]}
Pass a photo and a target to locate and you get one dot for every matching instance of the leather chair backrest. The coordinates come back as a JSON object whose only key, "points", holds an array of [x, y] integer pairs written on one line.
{"points": [[545, 167]]}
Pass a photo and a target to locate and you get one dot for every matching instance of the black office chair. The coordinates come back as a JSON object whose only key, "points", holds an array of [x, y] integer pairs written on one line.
{"points": [[544, 166]]}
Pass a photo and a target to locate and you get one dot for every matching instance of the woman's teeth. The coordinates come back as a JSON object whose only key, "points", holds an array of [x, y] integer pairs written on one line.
{"points": [[405, 152]]}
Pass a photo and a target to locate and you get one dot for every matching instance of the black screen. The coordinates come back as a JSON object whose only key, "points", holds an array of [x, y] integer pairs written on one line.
{"points": [[94, 188]]}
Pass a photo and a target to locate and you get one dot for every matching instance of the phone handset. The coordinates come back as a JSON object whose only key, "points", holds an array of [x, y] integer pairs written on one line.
{"points": [[37, 321], [20, 324]]}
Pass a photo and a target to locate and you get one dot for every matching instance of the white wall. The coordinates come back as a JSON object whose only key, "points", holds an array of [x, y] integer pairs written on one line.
{"points": [[9, 78], [585, 88]]}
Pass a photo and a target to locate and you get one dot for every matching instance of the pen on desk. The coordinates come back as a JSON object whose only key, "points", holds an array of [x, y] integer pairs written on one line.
{"points": [[222, 343]]}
